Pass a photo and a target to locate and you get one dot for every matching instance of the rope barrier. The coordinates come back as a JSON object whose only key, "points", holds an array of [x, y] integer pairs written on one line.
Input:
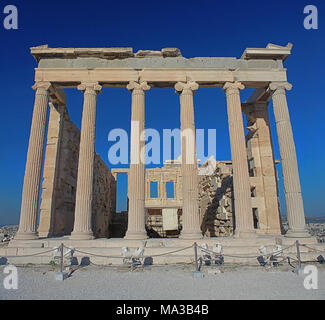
{"points": [[96, 255], [243, 256], [163, 254], [304, 245], [151, 256], [248, 256], [28, 255]]}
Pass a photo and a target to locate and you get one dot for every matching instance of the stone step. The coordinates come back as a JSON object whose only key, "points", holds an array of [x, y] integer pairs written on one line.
{"points": [[231, 254], [157, 243], [173, 259]]}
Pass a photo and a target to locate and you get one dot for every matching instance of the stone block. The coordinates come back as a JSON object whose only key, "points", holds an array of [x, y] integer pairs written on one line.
{"points": [[171, 52], [60, 276]]}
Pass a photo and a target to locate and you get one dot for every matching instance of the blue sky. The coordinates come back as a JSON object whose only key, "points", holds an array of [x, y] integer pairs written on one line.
{"points": [[197, 28]]}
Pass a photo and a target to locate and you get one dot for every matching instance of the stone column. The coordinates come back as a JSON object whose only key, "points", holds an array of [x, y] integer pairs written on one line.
{"points": [[82, 229], [33, 170], [242, 193], [292, 189], [136, 182], [190, 216]]}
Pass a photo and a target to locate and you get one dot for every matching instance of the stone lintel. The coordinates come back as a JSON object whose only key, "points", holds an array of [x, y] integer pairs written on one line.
{"points": [[159, 77], [259, 95]]}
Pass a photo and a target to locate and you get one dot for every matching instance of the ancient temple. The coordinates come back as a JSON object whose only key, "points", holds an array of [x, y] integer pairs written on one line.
{"points": [[239, 198]]}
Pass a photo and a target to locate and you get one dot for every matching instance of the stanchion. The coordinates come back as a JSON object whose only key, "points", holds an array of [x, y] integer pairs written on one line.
{"points": [[197, 273], [298, 270], [61, 275]]}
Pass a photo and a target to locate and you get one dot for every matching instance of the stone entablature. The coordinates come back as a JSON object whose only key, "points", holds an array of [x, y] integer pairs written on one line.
{"points": [[116, 67]]}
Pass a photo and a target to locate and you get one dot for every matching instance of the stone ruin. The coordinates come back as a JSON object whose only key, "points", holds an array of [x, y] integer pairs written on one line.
{"points": [[216, 202], [60, 181], [78, 191]]}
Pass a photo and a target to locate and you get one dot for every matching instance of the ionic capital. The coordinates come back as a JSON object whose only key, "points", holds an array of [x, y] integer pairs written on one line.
{"points": [[43, 85], [90, 87], [139, 87], [233, 87], [186, 87], [275, 86]]}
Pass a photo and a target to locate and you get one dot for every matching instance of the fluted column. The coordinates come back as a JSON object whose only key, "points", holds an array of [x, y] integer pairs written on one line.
{"points": [[292, 189], [190, 214], [33, 170], [82, 229], [242, 192], [136, 181]]}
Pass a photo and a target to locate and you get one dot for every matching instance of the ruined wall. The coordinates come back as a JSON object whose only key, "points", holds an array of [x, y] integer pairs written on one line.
{"points": [[103, 202], [66, 182], [216, 202], [263, 173], [60, 181]]}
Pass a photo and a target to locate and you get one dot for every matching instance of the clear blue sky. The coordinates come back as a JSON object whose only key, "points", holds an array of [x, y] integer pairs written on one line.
{"points": [[198, 28]]}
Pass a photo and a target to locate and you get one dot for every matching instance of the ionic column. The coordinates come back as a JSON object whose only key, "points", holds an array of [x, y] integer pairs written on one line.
{"points": [[136, 181], [33, 170], [190, 216], [82, 229], [242, 192], [292, 189]]}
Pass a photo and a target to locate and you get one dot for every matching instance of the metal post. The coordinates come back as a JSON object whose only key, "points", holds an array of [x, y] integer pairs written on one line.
{"points": [[298, 270], [298, 254], [61, 263], [61, 275], [197, 273], [195, 255]]}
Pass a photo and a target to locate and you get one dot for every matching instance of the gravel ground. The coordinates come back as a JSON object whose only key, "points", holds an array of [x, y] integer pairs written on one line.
{"points": [[162, 282]]}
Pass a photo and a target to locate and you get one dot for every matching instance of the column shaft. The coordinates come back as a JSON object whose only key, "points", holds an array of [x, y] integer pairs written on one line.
{"points": [[242, 192], [33, 170], [82, 229], [292, 189], [190, 213], [136, 181]]}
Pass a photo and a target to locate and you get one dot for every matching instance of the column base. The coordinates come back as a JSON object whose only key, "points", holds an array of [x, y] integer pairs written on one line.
{"points": [[297, 234], [191, 235], [44, 234], [131, 235], [26, 236], [272, 232], [245, 234], [81, 236]]}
